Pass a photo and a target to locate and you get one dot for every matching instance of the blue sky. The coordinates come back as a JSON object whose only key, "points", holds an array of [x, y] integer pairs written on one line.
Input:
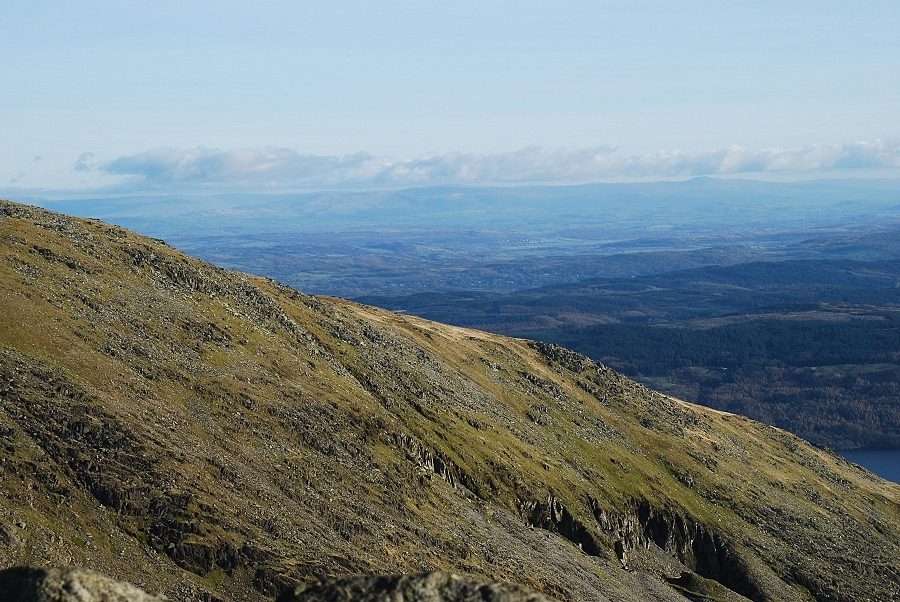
{"points": [[166, 95]]}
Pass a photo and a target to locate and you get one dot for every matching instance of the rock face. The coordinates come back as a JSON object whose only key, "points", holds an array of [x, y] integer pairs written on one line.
{"points": [[32, 584], [223, 437], [426, 587]]}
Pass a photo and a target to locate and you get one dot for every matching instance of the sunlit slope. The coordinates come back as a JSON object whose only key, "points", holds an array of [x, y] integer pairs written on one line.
{"points": [[193, 430]]}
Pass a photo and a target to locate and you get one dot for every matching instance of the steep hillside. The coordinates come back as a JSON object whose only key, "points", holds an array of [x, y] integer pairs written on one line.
{"points": [[212, 435]]}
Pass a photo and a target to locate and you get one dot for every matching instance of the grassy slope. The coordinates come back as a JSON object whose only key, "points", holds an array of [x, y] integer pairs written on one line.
{"points": [[190, 428]]}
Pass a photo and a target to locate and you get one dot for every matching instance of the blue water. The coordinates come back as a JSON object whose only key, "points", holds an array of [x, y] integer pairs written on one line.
{"points": [[884, 462]]}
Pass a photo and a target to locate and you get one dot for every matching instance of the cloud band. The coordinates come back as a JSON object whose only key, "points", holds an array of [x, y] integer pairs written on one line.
{"points": [[285, 168]]}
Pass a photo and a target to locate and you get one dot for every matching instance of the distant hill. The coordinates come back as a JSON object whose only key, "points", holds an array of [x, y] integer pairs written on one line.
{"points": [[696, 205], [212, 435]]}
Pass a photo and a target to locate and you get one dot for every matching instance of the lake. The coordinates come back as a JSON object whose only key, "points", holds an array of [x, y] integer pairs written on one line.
{"points": [[884, 462]]}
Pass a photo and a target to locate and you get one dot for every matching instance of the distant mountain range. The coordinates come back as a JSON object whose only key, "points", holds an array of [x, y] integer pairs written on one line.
{"points": [[621, 211]]}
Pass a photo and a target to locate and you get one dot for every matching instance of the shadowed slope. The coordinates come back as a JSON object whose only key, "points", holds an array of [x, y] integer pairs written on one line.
{"points": [[192, 429]]}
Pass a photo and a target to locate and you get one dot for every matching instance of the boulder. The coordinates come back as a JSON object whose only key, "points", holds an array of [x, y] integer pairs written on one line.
{"points": [[70, 584]]}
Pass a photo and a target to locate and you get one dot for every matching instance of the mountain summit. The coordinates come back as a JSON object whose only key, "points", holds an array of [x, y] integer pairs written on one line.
{"points": [[212, 435]]}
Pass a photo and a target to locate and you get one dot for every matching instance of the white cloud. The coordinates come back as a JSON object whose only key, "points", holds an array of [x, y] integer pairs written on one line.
{"points": [[285, 168]]}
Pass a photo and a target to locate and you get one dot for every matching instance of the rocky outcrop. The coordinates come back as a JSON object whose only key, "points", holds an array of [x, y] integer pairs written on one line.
{"points": [[70, 584], [426, 587], [552, 515], [434, 462], [697, 589], [704, 550]]}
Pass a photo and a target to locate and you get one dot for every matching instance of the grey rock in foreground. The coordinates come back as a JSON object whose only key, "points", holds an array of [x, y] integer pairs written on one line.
{"points": [[71, 584], [425, 587]]}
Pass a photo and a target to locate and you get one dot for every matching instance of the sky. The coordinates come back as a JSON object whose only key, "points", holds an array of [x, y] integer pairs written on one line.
{"points": [[164, 96]]}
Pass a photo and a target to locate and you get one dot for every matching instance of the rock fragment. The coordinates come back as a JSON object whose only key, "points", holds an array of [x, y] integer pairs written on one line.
{"points": [[70, 584]]}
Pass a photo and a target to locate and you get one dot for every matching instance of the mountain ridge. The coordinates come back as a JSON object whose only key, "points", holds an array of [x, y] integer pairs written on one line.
{"points": [[216, 434]]}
